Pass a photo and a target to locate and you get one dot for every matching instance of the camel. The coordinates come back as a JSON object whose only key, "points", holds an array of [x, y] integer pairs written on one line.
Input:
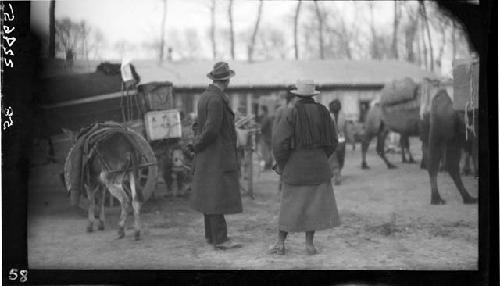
{"points": [[377, 125], [443, 128]]}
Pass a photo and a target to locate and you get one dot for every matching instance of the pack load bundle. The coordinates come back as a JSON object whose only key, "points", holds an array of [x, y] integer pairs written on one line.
{"points": [[465, 84], [404, 118], [398, 91]]}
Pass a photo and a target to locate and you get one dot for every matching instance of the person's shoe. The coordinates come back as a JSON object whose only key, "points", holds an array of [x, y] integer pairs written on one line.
{"points": [[278, 249], [311, 250], [228, 244]]}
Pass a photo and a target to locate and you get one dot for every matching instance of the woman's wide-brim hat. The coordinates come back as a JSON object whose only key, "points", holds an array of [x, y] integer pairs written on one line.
{"points": [[305, 88], [221, 71]]}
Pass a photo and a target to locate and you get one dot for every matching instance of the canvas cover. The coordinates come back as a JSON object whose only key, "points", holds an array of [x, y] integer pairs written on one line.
{"points": [[465, 74], [398, 91], [77, 86], [400, 105]]}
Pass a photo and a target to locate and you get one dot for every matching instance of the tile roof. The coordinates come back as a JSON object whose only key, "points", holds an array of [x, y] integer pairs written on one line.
{"points": [[284, 72], [192, 74]]}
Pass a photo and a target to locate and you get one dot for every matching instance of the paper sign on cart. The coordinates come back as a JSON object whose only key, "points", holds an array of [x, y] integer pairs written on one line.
{"points": [[163, 124]]}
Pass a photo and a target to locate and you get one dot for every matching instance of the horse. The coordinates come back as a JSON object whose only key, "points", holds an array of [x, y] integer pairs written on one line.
{"points": [[443, 131]]}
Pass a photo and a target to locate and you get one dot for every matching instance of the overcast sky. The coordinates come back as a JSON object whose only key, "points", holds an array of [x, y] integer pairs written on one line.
{"points": [[139, 21]]}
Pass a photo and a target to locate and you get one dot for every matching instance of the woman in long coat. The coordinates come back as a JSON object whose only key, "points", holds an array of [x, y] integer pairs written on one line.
{"points": [[302, 143]]}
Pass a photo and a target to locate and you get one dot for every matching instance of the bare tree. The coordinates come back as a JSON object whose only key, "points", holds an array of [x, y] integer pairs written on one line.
{"points": [[295, 29], [231, 27], [162, 32], [212, 30], [453, 40], [83, 33], [52, 29], [191, 43], [374, 47], [251, 46], [320, 17], [427, 29], [397, 15], [96, 43], [123, 46], [410, 32], [72, 36], [271, 44]]}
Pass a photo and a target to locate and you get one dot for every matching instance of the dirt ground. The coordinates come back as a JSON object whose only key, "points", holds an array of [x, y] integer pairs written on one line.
{"points": [[387, 223]]}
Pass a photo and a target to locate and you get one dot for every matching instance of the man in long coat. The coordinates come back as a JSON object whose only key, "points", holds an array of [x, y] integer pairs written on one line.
{"points": [[215, 187]]}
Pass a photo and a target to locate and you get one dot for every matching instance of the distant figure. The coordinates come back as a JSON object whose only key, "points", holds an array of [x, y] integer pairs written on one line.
{"points": [[283, 108], [279, 115], [337, 159], [302, 143], [69, 58], [266, 126]]}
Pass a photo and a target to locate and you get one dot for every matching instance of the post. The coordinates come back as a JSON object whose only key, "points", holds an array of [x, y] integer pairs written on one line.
{"points": [[249, 163]]}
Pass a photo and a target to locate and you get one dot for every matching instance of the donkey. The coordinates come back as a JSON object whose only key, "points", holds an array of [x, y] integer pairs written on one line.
{"points": [[109, 167]]}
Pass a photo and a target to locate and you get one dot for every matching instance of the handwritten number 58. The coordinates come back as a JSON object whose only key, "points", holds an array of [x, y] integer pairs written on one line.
{"points": [[22, 275]]}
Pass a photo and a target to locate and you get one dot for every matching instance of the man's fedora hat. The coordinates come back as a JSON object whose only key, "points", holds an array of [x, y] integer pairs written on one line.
{"points": [[305, 88], [221, 71]]}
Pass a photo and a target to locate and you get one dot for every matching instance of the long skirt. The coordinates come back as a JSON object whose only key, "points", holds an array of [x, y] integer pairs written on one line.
{"points": [[308, 208]]}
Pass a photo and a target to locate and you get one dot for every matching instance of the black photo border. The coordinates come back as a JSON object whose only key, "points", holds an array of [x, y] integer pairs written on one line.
{"points": [[481, 23]]}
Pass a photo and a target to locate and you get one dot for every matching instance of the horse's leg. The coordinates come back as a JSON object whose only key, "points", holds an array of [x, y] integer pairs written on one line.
{"points": [[136, 205], [452, 165], [382, 134], [91, 209], [102, 218], [433, 160]]}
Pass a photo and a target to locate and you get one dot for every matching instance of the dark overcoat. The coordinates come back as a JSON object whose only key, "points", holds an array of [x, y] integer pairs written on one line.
{"points": [[302, 166], [215, 187]]}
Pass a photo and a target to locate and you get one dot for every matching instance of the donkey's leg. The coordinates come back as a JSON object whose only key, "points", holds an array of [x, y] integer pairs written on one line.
{"points": [[452, 164], [91, 208], [136, 204], [116, 189], [382, 134], [102, 218]]}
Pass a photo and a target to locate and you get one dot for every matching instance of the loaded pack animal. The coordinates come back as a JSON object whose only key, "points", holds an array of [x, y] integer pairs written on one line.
{"points": [[397, 110], [108, 165], [444, 131]]}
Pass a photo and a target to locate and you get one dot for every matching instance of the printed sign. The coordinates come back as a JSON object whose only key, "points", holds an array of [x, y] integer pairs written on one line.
{"points": [[163, 124]]}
